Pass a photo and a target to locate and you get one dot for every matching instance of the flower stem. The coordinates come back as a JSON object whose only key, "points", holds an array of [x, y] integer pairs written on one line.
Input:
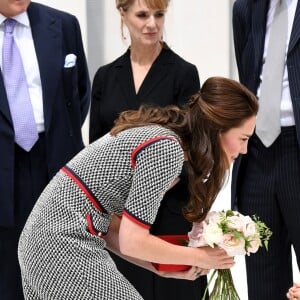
{"points": [[208, 284], [224, 288]]}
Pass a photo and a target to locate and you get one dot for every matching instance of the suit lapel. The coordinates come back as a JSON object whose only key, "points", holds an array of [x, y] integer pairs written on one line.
{"points": [[4, 107], [47, 36], [295, 34], [259, 17]]}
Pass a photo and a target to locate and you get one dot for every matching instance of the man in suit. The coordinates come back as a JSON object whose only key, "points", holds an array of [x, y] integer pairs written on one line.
{"points": [[266, 181], [54, 62]]}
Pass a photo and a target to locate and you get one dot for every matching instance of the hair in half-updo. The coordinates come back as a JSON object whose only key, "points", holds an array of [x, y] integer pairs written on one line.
{"points": [[220, 105]]}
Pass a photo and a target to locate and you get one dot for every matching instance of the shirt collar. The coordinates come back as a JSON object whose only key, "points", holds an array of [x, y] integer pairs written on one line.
{"points": [[21, 19]]}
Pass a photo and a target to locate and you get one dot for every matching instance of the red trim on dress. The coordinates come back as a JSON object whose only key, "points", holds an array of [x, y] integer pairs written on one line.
{"points": [[91, 228], [85, 190], [143, 145], [134, 220]]}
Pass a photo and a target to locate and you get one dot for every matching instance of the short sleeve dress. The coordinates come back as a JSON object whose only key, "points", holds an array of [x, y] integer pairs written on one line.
{"points": [[62, 247]]}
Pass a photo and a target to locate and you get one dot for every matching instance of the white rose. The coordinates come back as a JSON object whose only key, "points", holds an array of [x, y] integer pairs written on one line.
{"points": [[212, 234]]}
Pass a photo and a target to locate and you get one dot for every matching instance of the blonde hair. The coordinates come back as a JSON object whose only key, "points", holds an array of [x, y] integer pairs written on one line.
{"points": [[153, 4]]}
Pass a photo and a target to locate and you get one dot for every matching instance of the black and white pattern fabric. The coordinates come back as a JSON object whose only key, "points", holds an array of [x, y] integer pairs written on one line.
{"points": [[62, 247]]}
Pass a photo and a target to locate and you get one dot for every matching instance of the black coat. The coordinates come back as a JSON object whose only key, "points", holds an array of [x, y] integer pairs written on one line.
{"points": [[171, 80]]}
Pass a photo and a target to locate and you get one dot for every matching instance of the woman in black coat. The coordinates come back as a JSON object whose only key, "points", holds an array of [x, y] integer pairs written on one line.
{"points": [[148, 73]]}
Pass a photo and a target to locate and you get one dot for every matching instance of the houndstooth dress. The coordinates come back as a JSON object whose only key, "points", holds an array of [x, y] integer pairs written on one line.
{"points": [[62, 247]]}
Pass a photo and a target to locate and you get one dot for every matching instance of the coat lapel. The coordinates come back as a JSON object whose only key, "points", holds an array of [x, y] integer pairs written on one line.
{"points": [[47, 36], [124, 76], [259, 17], [156, 73]]}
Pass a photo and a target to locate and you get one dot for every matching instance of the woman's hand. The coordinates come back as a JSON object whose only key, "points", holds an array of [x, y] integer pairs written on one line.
{"points": [[191, 274], [214, 258], [136, 241]]}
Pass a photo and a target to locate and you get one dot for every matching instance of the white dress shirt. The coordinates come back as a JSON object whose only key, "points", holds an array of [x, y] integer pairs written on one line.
{"points": [[23, 38]]}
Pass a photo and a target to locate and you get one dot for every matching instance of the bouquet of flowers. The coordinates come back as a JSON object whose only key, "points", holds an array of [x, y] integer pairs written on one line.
{"points": [[237, 235]]}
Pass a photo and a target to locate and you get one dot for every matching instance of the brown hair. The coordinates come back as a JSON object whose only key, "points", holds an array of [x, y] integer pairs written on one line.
{"points": [[220, 105]]}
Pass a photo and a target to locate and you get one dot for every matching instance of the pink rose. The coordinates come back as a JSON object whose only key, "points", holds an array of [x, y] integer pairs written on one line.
{"points": [[236, 222], [233, 246], [249, 228], [254, 245], [212, 217], [196, 235]]}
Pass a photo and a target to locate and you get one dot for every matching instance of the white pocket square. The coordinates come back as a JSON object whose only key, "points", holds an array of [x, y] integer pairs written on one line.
{"points": [[70, 60]]}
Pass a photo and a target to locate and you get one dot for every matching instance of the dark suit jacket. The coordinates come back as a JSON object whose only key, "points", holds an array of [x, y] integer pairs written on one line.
{"points": [[65, 98], [249, 28], [171, 80]]}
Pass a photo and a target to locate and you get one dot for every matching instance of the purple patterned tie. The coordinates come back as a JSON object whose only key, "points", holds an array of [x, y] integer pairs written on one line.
{"points": [[17, 92]]}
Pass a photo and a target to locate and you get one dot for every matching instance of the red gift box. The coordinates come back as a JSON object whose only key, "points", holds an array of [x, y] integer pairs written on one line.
{"points": [[177, 240]]}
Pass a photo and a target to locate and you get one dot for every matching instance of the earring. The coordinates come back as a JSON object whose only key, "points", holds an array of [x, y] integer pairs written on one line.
{"points": [[123, 35]]}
